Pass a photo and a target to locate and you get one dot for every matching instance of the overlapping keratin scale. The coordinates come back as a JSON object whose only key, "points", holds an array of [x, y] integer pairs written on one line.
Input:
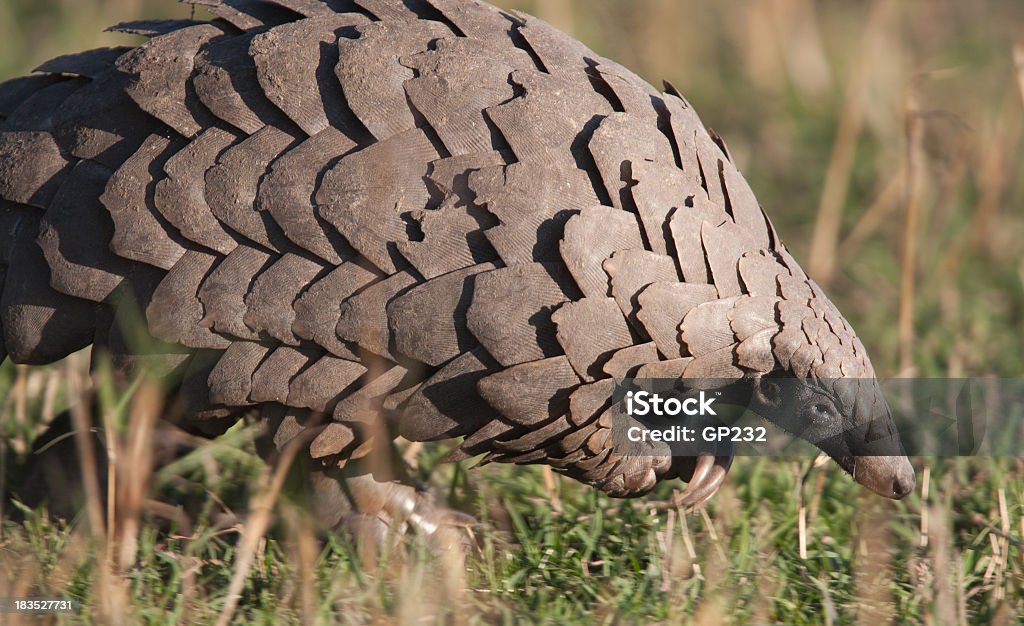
{"points": [[433, 210], [293, 65]]}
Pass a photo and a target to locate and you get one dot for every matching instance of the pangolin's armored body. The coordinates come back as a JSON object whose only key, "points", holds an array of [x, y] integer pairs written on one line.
{"points": [[428, 218]]}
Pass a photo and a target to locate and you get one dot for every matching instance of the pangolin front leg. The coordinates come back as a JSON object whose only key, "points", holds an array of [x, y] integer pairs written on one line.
{"points": [[378, 511]]}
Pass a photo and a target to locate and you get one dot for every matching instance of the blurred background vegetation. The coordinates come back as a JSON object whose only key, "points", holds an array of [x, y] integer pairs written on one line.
{"points": [[816, 101], [883, 137]]}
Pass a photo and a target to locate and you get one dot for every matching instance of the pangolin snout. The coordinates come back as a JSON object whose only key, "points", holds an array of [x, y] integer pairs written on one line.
{"points": [[889, 476]]}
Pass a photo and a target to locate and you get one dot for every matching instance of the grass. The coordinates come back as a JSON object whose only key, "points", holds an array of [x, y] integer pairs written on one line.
{"points": [[572, 555], [811, 97]]}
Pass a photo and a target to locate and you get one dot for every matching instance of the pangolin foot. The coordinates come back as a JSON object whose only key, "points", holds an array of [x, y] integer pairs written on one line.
{"points": [[382, 517]]}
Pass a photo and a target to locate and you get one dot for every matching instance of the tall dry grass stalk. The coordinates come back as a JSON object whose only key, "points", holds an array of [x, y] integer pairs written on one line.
{"points": [[135, 470], [926, 486], [260, 511], [81, 419], [914, 170], [874, 218], [825, 238], [304, 551], [872, 563], [5, 411], [1018, 63], [946, 570], [110, 591], [805, 512]]}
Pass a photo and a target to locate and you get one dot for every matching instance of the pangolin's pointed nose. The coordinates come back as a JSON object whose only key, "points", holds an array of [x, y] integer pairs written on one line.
{"points": [[904, 481], [889, 476]]}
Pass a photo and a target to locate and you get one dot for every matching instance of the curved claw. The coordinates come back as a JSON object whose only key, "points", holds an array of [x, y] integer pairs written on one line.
{"points": [[708, 475]]}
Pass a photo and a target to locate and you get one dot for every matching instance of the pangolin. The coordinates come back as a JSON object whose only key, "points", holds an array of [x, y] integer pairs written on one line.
{"points": [[433, 219]]}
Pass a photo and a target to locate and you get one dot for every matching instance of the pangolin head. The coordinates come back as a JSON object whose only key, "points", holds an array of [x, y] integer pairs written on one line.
{"points": [[823, 388]]}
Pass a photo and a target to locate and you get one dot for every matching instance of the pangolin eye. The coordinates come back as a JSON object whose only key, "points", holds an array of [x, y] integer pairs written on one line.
{"points": [[821, 411]]}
